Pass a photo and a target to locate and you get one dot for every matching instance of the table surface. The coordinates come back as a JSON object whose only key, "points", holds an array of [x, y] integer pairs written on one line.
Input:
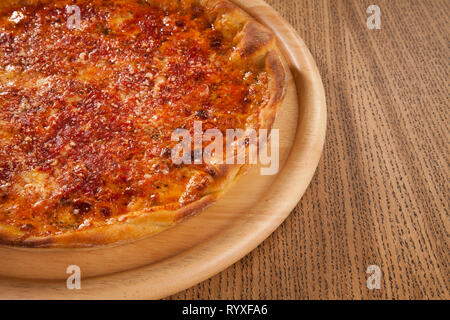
{"points": [[380, 194]]}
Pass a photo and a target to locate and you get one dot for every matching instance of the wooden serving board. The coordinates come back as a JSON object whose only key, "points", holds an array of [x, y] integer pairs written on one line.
{"points": [[207, 244]]}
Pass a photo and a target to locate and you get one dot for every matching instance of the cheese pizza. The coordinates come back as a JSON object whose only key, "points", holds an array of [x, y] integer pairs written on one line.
{"points": [[91, 92]]}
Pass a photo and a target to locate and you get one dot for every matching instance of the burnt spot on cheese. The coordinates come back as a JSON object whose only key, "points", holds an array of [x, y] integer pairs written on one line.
{"points": [[202, 114], [216, 40], [197, 11], [106, 212], [81, 207], [180, 23]]}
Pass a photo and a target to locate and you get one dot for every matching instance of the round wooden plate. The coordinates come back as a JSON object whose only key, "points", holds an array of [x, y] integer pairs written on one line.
{"points": [[207, 244]]}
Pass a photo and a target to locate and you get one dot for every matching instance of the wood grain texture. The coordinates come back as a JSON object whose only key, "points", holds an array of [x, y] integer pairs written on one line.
{"points": [[380, 195]]}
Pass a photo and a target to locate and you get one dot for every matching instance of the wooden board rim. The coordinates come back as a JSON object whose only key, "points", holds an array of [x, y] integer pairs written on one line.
{"points": [[202, 262]]}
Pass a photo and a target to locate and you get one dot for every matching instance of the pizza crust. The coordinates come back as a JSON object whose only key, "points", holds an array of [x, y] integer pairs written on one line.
{"points": [[254, 43]]}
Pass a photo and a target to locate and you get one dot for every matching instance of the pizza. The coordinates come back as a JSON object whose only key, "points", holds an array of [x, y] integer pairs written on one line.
{"points": [[91, 92]]}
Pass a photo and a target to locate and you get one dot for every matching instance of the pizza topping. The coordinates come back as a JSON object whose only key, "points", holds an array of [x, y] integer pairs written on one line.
{"points": [[87, 114]]}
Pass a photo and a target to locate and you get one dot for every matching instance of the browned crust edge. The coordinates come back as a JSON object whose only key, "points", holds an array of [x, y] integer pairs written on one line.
{"points": [[133, 228], [254, 42]]}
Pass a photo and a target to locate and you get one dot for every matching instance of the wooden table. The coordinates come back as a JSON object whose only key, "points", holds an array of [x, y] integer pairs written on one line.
{"points": [[381, 193]]}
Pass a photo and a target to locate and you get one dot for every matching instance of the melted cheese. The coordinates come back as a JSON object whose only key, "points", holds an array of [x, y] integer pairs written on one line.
{"points": [[86, 116]]}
